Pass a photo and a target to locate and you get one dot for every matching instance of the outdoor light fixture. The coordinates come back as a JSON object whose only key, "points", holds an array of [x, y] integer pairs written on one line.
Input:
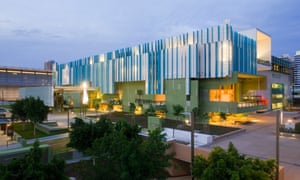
{"points": [[187, 122], [85, 98], [289, 121]]}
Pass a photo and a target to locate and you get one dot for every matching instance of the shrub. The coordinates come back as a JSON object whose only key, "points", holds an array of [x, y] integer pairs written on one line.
{"points": [[297, 127]]}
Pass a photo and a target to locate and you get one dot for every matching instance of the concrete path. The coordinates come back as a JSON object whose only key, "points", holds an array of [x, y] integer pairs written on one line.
{"points": [[48, 138], [259, 140]]}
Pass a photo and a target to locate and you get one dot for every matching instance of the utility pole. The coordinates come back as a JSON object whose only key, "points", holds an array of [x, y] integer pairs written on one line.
{"points": [[192, 141], [278, 118]]}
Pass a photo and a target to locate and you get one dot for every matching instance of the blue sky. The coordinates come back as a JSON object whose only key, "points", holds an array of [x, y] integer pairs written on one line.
{"points": [[34, 31]]}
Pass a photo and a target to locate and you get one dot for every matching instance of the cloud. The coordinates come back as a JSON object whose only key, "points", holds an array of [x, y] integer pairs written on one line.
{"points": [[73, 29], [27, 32], [14, 31]]}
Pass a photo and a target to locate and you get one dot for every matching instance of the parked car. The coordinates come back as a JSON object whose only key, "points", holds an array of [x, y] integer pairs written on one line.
{"points": [[5, 113]]}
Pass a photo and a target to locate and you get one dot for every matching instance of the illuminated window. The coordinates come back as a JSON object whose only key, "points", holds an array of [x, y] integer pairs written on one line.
{"points": [[222, 94], [214, 95]]}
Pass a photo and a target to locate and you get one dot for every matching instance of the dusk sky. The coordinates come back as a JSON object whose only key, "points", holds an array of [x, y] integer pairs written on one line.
{"points": [[34, 31]]}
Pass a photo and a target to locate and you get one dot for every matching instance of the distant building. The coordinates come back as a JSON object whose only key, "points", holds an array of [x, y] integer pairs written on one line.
{"points": [[290, 59], [48, 65], [296, 85], [12, 79]]}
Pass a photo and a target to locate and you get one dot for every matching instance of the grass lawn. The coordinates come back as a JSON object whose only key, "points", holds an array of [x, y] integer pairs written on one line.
{"points": [[26, 131], [5, 106], [59, 145]]}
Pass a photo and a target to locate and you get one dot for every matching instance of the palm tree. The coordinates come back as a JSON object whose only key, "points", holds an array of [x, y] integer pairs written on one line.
{"points": [[140, 93], [178, 110]]}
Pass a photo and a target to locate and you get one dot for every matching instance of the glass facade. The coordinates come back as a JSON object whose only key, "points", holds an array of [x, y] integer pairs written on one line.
{"points": [[297, 71], [296, 80], [24, 78], [277, 92], [213, 52], [281, 65]]}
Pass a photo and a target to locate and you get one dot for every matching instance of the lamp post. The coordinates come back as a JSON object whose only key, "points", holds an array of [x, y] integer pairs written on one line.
{"points": [[278, 120], [68, 115], [70, 106], [192, 124]]}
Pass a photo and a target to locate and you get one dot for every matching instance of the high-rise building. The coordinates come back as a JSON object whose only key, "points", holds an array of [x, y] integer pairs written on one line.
{"points": [[48, 65], [296, 85], [214, 69]]}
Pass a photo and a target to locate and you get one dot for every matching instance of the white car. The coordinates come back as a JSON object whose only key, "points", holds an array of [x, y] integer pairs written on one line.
{"points": [[5, 113]]}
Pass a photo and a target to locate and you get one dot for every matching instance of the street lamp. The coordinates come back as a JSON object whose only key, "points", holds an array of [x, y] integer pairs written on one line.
{"points": [[192, 124], [278, 120], [70, 106]]}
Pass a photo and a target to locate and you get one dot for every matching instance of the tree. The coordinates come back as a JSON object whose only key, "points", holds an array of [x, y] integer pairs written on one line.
{"points": [[30, 108], [123, 154], [229, 164], [201, 117], [18, 111], [36, 110], [150, 111], [97, 103], [84, 134], [156, 159], [128, 156], [178, 110], [140, 92], [223, 116], [30, 167], [132, 109]]}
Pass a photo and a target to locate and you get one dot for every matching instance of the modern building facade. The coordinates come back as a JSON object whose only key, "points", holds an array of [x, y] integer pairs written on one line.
{"points": [[296, 83], [213, 68], [12, 79], [278, 77]]}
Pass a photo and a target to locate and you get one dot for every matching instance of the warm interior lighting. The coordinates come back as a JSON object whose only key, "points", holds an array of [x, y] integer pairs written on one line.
{"points": [[41, 73], [159, 97], [11, 71], [28, 72], [223, 94], [289, 121]]}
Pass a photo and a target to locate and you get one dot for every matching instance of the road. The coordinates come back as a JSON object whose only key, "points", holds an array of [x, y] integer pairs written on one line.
{"points": [[259, 140]]}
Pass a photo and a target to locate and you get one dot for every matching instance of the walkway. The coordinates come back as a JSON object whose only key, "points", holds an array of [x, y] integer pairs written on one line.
{"points": [[7, 143], [259, 141]]}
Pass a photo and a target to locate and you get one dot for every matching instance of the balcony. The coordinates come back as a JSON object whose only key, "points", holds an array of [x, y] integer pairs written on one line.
{"points": [[233, 107]]}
